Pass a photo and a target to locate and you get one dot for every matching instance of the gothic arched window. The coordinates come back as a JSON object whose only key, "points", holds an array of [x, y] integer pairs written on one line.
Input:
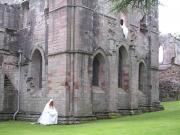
{"points": [[36, 69]]}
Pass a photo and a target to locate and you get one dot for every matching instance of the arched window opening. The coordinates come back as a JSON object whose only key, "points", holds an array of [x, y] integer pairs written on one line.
{"points": [[142, 75], [120, 70], [121, 22], [161, 54], [36, 69], [98, 71], [123, 69]]}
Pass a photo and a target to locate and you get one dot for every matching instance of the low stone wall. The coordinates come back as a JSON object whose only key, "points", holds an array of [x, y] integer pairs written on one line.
{"points": [[169, 84], [33, 117], [169, 90]]}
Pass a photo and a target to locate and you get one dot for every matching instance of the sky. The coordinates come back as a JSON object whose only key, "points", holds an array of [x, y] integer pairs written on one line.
{"points": [[169, 16]]}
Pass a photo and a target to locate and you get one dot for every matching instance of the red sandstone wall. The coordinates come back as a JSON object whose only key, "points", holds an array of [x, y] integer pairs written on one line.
{"points": [[57, 60]]}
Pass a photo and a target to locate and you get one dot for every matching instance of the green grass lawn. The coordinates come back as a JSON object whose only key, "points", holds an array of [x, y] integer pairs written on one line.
{"points": [[158, 123]]}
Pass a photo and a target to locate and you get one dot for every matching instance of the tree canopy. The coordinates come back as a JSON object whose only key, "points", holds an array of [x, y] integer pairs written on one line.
{"points": [[121, 5]]}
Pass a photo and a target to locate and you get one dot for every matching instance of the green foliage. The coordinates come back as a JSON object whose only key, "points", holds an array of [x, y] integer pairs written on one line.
{"points": [[121, 5], [157, 123]]}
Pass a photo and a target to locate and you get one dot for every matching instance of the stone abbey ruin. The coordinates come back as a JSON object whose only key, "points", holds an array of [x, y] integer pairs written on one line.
{"points": [[75, 52]]}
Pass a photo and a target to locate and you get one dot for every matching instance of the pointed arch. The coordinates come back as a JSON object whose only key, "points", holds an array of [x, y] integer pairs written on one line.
{"points": [[98, 70], [123, 68], [142, 77], [100, 81], [36, 68]]}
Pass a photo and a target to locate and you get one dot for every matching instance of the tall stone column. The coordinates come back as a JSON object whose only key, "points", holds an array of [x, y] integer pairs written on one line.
{"points": [[113, 96], [59, 81], [153, 74], [1, 88], [133, 100]]}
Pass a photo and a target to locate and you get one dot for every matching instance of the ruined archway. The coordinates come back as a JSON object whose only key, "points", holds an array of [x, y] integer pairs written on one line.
{"points": [[98, 71], [142, 77], [123, 69], [99, 84], [142, 84], [36, 69]]}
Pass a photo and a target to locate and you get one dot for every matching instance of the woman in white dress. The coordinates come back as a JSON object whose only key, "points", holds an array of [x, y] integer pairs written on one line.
{"points": [[124, 28], [49, 115]]}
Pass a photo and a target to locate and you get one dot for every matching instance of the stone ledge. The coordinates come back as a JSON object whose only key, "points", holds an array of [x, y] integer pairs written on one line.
{"points": [[129, 111], [33, 117], [141, 109]]}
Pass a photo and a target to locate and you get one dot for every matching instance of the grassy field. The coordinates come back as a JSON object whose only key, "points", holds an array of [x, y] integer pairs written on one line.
{"points": [[158, 123]]}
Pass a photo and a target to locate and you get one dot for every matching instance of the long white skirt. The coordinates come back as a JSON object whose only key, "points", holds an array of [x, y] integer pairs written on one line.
{"points": [[49, 116]]}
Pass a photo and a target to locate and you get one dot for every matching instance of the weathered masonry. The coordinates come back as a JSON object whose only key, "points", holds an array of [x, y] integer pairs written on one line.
{"points": [[169, 84], [74, 51]]}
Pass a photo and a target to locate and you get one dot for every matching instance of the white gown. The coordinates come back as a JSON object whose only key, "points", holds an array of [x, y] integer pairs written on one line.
{"points": [[49, 115], [125, 31]]}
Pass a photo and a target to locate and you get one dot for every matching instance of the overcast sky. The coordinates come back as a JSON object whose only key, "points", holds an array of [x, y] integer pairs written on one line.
{"points": [[169, 16]]}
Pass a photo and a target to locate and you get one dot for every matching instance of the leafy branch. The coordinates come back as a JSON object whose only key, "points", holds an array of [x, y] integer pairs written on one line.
{"points": [[122, 5]]}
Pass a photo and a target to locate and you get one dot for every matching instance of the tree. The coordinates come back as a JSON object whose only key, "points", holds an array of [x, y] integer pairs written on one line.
{"points": [[121, 5]]}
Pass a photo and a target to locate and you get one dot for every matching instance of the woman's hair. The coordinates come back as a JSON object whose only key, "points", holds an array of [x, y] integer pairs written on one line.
{"points": [[121, 22], [51, 104]]}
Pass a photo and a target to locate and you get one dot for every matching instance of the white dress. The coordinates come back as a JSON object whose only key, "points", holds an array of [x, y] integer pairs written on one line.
{"points": [[49, 115], [125, 31]]}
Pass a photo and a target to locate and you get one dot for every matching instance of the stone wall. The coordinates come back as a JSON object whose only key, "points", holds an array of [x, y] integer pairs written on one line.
{"points": [[170, 83], [10, 1], [59, 67], [33, 42], [9, 16], [171, 50], [24, 28], [75, 52]]}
